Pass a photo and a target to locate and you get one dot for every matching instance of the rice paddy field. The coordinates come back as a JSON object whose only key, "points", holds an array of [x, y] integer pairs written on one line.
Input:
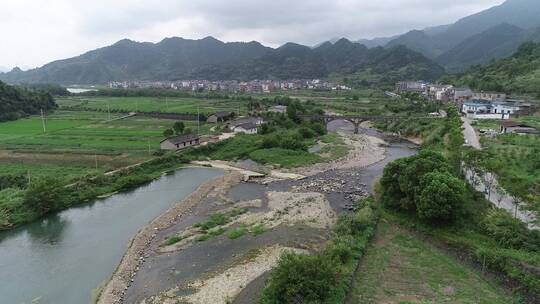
{"points": [[153, 104], [76, 143]]}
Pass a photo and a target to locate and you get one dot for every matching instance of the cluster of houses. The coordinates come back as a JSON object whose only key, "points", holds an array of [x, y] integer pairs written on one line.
{"points": [[246, 125], [474, 105], [233, 86]]}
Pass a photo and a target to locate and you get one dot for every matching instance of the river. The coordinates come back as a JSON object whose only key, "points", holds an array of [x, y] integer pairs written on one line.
{"points": [[63, 257]]}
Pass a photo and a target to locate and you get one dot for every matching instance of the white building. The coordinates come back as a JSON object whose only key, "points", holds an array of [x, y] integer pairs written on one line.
{"points": [[246, 128], [480, 109], [439, 92], [278, 109]]}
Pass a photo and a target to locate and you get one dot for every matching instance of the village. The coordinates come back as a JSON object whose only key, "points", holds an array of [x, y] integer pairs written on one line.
{"points": [[476, 105], [233, 86]]}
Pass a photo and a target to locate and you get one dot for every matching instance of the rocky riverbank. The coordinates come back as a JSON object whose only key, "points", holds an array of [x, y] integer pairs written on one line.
{"points": [[288, 212], [135, 256]]}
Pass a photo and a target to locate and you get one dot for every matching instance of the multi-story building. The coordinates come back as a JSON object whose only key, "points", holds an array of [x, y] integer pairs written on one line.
{"points": [[491, 96]]}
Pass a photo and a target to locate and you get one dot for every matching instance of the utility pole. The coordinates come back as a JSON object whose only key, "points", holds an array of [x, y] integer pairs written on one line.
{"points": [[198, 121], [148, 141], [29, 178], [95, 158], [108, 111], [43, 122]]}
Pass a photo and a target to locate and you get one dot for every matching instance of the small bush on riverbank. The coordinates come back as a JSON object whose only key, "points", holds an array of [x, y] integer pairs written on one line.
{"points": [[237, 232], [173, 240], [323, 277]]}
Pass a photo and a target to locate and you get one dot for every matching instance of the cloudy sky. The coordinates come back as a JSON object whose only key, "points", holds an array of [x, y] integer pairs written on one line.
{"points": [[35, 32]]}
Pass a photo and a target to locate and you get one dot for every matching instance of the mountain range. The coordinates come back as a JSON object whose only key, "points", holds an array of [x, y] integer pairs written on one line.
{"points": [[211, 59], [418, 54], [491, 34]]}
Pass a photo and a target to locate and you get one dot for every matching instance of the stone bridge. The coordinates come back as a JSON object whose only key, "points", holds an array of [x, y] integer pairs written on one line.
{"points": [[356, 120]]}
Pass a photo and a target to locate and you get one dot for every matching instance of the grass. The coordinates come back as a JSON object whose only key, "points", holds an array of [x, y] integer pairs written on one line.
{"points": [[87, 135], [237, 232], [216, 219], [173, 240], [154, 104], [400, 268], [257, 229], [66, 173]]}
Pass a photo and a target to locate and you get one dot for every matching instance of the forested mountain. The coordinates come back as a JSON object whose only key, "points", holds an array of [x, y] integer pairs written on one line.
{"points": [[18, 102], [477, 38], [519, 73], [177, 58], [498, 42]]}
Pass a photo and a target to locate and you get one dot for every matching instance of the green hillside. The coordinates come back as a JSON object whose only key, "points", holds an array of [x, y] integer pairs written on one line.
{"points": [[519, 73]]}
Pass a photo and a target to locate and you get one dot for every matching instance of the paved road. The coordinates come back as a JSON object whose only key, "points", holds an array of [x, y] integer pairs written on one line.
{"points": [[470, 135], [501, 200]]}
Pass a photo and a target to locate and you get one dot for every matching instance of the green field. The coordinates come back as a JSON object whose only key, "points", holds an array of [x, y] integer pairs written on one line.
{"points": [[87, 133], [400, 268], [154, 104]]}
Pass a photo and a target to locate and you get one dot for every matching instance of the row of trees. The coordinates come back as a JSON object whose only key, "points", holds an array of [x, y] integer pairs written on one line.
{"points": [[17, 102]]}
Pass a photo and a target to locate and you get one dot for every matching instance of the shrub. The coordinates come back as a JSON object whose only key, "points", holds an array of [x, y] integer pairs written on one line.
{"points": [[323, 277], [301, 278], [44, 195], [306, 132], [510, 232]]}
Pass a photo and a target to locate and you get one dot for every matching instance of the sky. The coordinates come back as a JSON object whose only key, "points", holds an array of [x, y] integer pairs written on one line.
{"points": [[35, 32]]}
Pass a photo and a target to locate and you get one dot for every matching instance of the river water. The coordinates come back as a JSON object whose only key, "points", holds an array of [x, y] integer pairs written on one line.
{"points": [[63, 257]]}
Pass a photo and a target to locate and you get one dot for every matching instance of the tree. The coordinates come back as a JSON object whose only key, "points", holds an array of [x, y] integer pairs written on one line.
{"points": [[179, 127], [401, 181], [44, 195], [441, 197], [168, 133]]}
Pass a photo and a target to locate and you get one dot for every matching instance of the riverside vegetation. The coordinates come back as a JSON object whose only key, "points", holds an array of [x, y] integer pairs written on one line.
{"points": [[66, 148], [426, 194], [418, 191]]}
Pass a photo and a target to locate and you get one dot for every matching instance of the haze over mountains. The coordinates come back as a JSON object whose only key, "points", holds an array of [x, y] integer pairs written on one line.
{"points": [[209, 58], [477, 39]]}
